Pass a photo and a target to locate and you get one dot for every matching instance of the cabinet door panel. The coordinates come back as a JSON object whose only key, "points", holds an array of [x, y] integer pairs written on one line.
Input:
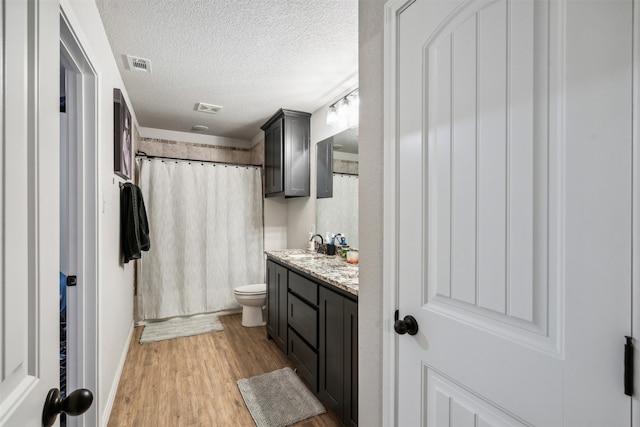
{"points": [[281, 339], [304, 288], [325, 168], [331, 350], [350, 363], [272, 300], [273, 158], [277, 304], [304, 358], [304, 319], [296, 156]]}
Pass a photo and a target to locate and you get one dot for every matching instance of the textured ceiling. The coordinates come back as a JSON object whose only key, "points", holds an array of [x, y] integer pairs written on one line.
{"points": [[252, 57]]}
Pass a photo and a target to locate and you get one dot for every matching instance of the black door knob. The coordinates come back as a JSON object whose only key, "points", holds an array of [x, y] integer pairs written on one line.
{"points": [[76, 403], [406, 325]]}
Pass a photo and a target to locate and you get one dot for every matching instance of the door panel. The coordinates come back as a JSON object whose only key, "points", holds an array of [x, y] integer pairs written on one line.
{"points": [[485, 171], [514, 217], [29, 197], [16, 367], [452, 405]]}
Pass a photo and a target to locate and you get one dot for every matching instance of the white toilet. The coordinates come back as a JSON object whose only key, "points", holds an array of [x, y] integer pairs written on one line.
{"points": [[252, 298]]}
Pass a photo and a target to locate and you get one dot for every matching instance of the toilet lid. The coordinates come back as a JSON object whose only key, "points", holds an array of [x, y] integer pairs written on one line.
{"points": [[259, 288]]}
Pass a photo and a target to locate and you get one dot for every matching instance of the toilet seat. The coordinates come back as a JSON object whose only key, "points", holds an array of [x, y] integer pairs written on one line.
{"points": [[257, 289]]}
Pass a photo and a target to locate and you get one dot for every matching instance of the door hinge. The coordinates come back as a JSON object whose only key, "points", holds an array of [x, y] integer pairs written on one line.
{"points": [[72, 280], [628, 366]]}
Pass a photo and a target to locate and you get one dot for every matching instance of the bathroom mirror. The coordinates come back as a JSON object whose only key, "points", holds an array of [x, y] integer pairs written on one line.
{"points": [[337, 203]]}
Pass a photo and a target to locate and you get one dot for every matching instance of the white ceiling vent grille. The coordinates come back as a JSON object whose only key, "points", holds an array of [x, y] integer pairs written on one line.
{"points": [[208, 108], [139, 64]]}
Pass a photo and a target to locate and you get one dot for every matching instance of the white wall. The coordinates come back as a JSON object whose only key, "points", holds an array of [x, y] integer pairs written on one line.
{"points": [[115, 285], [196, 138], [276, 217], [371, 50], [276, 221]]}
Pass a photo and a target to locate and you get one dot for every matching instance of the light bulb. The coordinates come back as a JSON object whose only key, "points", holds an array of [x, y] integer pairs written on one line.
{"points": [[343, 107], [355, 101], [332, 116]]}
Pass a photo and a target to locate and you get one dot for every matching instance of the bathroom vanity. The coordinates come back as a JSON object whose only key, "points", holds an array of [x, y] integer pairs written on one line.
{"points": [[312, 315]]}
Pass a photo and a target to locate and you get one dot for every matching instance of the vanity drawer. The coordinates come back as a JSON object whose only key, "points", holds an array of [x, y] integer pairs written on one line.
{"points": [[304, 358], [304, 319], [304, 288]]}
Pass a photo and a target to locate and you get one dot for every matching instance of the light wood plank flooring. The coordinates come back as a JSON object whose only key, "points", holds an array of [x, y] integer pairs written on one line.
{"points": [[191, 381]]}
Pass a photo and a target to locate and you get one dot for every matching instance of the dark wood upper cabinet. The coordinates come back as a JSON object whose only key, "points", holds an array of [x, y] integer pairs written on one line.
{"points": [[325, 168], [287, 154]]}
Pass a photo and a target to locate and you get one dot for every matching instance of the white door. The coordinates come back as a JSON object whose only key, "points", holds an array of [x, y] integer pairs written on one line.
{"points": [[514, 130], [29, 205]]}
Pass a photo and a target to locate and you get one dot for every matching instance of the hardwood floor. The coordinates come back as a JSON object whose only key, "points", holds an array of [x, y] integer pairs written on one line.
{"points": [[191, 381]]}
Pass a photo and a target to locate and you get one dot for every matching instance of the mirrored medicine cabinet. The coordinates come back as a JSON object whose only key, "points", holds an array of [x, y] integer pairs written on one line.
{"points": [[337, 185]]}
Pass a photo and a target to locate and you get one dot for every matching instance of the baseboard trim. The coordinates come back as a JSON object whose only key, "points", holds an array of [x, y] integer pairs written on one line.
{"points": [[116, 380]]}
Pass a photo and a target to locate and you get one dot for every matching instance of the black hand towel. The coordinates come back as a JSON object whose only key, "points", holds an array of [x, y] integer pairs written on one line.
{"points": [[133, 222]]}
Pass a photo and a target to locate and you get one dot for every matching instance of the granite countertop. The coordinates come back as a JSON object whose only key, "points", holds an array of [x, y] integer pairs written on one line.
{"points": [[331, 269]]}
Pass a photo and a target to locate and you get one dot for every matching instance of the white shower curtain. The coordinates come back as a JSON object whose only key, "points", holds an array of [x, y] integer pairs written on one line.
{"points": [[205, 224]]}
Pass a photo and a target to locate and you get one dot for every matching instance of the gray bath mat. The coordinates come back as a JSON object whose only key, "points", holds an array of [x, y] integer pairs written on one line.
{"points": [[278, 399], [180, 327]]}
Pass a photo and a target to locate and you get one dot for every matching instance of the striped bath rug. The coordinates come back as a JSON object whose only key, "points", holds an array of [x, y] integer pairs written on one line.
{"points": [[180, 327]]}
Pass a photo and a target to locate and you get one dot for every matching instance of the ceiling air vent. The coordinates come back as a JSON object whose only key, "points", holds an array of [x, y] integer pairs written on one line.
{"points": [[208, 108], [139, 64]]}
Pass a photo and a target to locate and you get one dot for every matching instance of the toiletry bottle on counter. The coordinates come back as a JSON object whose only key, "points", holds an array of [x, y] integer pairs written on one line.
{"points": [[311, 245]]}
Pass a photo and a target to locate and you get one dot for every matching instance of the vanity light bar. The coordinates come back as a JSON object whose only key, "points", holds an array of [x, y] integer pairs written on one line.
{"points": [[343, 105], [345, 99]]}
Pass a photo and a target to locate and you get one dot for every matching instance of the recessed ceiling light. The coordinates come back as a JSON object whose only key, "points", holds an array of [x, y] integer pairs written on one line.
{"points": [[200, 128]]}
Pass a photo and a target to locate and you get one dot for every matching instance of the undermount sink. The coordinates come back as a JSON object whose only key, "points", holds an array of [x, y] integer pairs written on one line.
{"points": [[299, 256]]}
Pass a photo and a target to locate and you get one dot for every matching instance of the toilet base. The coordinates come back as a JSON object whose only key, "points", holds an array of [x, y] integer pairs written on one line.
{"points": [[252, 316]]}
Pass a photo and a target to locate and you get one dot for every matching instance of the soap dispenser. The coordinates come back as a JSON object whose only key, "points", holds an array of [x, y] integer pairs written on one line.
{"points": [[311, 244]]}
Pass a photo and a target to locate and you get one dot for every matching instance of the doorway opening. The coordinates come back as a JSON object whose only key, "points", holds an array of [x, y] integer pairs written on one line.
{"points": [[78, 221], [64, 235]]}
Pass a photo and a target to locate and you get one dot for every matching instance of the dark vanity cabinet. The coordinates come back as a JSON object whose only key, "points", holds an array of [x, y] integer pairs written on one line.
{"points": [[277, 304], [287, 154], [338, 387], [324, 158], [322, 336]]}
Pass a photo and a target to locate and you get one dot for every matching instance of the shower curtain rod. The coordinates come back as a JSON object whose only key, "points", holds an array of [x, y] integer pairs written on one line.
{"points": [[345, 174], [142, 154]]}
